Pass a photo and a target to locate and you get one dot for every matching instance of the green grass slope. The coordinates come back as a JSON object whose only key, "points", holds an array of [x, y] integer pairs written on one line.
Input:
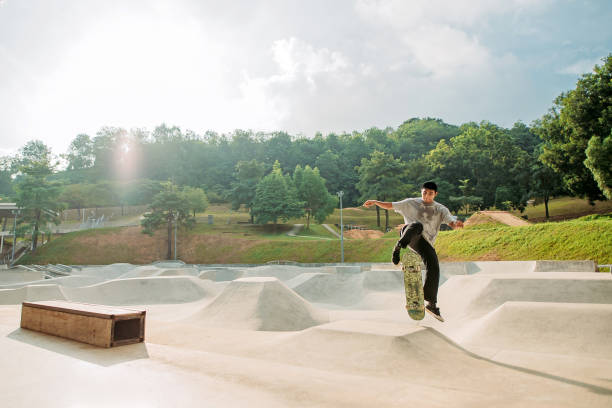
{"points": [[578, 239], [587, 238]]}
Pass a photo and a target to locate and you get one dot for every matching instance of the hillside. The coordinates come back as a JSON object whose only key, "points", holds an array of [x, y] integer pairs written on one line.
{"points": [[578, 239]]}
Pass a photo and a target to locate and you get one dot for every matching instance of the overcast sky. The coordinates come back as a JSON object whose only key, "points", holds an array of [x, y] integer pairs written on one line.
{"points": [[73, 66]]}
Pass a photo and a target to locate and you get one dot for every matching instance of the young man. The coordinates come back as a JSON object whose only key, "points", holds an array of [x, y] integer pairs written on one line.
{"points": [[422, 217]]}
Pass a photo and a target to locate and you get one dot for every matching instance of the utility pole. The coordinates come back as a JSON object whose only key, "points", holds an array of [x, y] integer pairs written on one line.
{"points": [[14, 235], [340, 194], [175, 222]]}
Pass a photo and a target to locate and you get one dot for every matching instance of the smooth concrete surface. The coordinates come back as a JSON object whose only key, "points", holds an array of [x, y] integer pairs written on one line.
{"points": [[516, 335]]}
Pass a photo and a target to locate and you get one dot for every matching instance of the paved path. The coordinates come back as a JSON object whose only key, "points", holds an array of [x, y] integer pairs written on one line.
{"points": [[297, 227], [330, 229]]}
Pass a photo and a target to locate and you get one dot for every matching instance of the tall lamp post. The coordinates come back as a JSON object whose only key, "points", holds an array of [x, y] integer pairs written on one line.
{"points": [[15, 213], [176, 216], [340, 194]]}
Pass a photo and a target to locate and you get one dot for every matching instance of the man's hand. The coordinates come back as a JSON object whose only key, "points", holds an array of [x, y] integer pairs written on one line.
{"points": [[457, 224], [369, 203]]}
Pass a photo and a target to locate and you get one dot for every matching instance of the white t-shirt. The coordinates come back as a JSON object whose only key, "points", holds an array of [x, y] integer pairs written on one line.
{"points": [[430, 215]]}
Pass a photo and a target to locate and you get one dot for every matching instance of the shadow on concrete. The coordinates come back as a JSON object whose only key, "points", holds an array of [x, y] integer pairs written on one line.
{"points": [[105, 357], [591, 387]]}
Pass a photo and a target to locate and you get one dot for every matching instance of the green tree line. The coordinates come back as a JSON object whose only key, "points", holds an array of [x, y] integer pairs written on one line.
{"points": [[476, 165]]}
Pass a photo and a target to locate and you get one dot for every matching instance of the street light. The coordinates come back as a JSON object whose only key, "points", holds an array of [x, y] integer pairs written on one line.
{"points": [[176, 216], [15, 213], [340, 194]]}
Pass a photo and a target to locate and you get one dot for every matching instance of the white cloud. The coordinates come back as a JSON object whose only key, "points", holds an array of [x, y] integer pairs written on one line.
{"points": [[580, 67], [301, 69], [279, 65]]}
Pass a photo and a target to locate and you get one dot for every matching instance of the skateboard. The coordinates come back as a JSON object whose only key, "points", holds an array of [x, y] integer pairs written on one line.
{"points": [[413, 282]]}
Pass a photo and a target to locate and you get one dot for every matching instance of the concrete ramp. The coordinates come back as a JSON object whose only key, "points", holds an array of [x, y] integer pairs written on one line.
{"points": [[565, 266], [179, 272], [141, 272], [419, 356], [19, 275], [280, 272], [111, 271], [567, 329], [260, 304], [140, 291], [66, 281], [384, 280], [221, 274], [476, 295], [332, 289], [31, 293], [449, 269]]}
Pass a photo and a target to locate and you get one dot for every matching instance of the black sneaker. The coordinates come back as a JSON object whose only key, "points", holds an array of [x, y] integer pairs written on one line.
{"points": [[396, 254], [434, 311]]}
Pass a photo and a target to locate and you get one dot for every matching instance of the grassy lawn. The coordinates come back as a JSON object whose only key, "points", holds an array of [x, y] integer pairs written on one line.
{"points": [[555, 241], [238, 242], [565, 208]]}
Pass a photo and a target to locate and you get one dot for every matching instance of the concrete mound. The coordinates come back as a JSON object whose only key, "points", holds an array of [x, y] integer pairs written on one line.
{"points": [[149, 270], [333, 289], [419, 355], [264, 304], [384, 280], [141, 272], [19, 276], [66, 281], [561, 328], [140, 291], [179, 272], [111, 271], [448, 269], [31, 293], [280, 272], [221, 274], [481, 294]]}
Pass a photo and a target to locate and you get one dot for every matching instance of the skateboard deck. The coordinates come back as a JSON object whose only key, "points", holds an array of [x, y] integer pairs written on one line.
{"points": [[413, 282]]}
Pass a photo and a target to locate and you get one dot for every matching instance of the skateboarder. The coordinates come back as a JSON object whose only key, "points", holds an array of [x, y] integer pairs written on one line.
{"points": [[422, 217]]}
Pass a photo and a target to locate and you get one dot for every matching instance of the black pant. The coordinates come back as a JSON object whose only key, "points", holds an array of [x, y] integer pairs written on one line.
{"points": [[412, 236]]}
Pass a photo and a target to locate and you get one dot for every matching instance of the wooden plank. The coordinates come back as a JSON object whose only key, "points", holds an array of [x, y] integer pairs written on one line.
{"points": [[86, 309], [93, 324], [86, 329]]}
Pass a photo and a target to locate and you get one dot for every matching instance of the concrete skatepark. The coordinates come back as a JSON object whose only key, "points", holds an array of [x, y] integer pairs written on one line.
{"points": [[517, 334]]}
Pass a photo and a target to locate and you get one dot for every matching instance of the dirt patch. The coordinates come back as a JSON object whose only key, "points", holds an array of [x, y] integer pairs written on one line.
{"points": [[500, 217], [363, 234]]}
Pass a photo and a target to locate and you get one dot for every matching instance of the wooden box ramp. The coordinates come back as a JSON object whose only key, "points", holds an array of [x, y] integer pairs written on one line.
{"points": [[99, 325]]}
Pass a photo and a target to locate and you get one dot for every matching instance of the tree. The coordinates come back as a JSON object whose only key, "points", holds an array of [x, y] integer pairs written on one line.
{"points": [[328, 164], [275, 199], [466, 200], [80, 153], [545, 183], [196, 198], [576, 117], [169, 207], [76, 196], [599, 161], [247, 174], [37, 197], [488, 156], [416, 137], [318, 202], [6, 181], [380, 178]]}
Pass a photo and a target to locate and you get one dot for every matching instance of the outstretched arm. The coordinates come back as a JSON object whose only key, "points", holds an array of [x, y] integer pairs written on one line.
{"points": [[382, 204]]}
